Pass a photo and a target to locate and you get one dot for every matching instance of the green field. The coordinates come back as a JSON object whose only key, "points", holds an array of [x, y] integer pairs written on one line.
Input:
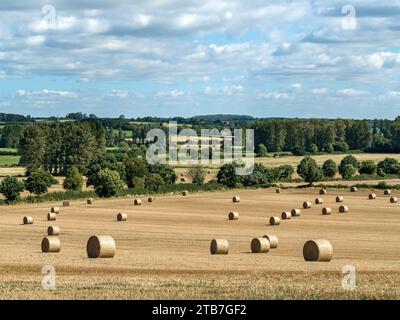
{"points": [[7, 161]]}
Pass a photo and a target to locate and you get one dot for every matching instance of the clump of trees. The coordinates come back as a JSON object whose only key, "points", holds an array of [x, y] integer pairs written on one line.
{"points": [[11, 188]]}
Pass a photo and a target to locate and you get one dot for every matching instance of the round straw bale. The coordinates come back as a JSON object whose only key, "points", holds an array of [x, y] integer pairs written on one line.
{"points": [[236, 199], [137, 202], [122, 217], [51, 244], [286, 215], [274, 221], [372, 196], [326, 211], [233, 216], [51, 216], [343, 209], [278, 190], [353, 189], [90, 201], [339, 199], [55, 209], [150, 199], [28, 220], [100, 247], [273, 241], [53, 231], [65, 203], [387, 192], [319, 201], [322, 191], [219, 246], [393, 200], [318, 250], [296, 212], [260, 245], [307, 205], [185, 193], [183, 179]]}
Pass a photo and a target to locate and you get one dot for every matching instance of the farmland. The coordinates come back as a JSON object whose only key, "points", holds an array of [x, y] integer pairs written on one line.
{"points": [[163, 248]]}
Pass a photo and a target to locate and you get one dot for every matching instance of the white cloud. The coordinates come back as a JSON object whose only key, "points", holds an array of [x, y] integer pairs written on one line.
{"points": [[318, 91], [351, 92]]}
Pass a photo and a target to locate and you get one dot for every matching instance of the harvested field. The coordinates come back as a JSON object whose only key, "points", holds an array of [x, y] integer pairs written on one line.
{"points": [[163, 250]]}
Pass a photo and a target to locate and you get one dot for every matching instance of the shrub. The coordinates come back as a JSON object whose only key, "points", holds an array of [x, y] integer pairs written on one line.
{"points": [[73, 180], [259, 176], [38, 182], [341, 147], [346, 161], [138, 183], [330, 168], [107, 161], [367, 167], [11, 188], [284, 172], [389, 166], [107, 183], [298, 151], [154, 182], [197, 174], [309, 170]]}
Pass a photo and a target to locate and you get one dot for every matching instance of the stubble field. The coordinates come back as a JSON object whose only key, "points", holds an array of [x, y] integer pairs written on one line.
{"points": [[163, 248]]}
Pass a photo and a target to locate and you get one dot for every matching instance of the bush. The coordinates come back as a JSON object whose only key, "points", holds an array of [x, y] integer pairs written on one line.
{"points": [[329, 148], [107, 183], [259, 176], [227, 175], [367, 167], [38, 182], [262, 150], [389, 166], [284, 172], [348, 160], [330, 168], [11, 188], [73, 180], [107, 161], [138, 183], [197, 174], [341, 147], [309, 170], [154, 182], [313, 148], [165, 171], [298, 151], [349, 171]]}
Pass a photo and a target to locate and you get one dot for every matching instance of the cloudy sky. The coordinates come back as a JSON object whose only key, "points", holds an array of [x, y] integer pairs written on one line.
{"points": [[180, 58]]}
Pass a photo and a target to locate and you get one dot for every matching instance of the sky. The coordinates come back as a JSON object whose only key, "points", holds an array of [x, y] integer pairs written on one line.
{"points": [[306, 58]]}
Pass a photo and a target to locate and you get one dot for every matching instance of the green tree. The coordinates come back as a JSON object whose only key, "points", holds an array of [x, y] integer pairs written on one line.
{"points": [[32, 147], [259, 176], [73, 180], [346, 161], [348, 171], [329, 148], [309, 170], [197, 175], [11, 188], [134, 168], [107, 183], [39, 181], [153, 182], [262, 150], [389, 166], [10, 136], [100, 162], [330, 168], [227, 175], [368, 167], [165, 171], [313, 148]]}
